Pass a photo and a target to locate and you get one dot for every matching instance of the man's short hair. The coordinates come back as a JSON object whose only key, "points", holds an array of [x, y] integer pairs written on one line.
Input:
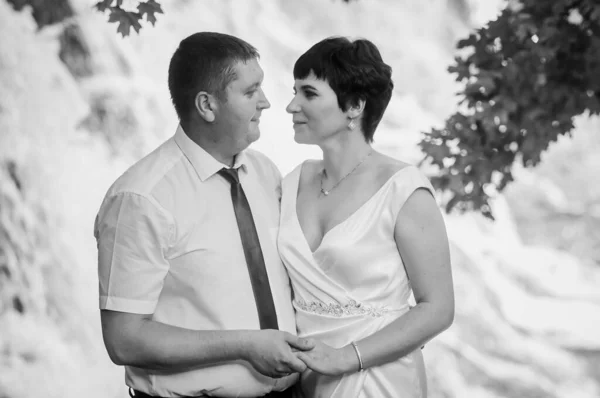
{"points": [[205, 61]]}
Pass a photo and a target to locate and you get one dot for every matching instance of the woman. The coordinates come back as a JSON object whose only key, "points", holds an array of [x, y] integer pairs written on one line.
{"points": [[359, 231]]}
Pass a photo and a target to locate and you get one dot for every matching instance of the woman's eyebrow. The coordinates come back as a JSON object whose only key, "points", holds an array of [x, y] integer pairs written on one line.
{"points": [[307, 86]]}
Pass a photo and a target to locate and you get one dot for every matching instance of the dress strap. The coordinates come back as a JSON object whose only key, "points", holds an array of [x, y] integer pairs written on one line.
{"points": [[404, 187]]}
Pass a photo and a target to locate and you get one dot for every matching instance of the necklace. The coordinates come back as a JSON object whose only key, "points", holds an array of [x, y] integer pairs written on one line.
{"points": [[323, 173]]}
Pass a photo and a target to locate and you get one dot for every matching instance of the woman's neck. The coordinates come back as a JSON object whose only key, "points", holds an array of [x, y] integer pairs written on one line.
{"points": [[342, 155]]}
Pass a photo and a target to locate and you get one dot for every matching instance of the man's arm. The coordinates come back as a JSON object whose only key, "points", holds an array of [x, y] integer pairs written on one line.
{"points": [[137, 340], [134, 235]]}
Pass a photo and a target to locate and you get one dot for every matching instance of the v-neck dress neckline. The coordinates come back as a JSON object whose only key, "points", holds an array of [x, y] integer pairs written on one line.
{"points": [[354, 213]]}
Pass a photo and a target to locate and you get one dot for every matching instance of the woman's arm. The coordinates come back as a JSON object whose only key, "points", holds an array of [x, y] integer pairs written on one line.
{"points": [[422, 241]]}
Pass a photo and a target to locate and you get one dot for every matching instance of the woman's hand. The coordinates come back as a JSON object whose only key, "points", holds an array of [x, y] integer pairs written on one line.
{"points": [[330, 361], [271, 352]]}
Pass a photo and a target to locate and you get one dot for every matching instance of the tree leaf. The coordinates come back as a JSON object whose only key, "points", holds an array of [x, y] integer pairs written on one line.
{"points": [[470, 41], [125, 19], [103, 5], [149, 8]]}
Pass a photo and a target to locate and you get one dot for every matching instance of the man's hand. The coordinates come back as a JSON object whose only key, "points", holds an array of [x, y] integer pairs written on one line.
{"points": [[330, 361], [270, 352]]}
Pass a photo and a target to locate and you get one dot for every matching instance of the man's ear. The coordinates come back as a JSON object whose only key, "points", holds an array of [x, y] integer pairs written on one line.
{"points": [[356, 109], [205, 105]]}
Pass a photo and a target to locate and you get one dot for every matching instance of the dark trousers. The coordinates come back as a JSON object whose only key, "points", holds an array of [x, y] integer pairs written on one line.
{"points": [[275, 394]]}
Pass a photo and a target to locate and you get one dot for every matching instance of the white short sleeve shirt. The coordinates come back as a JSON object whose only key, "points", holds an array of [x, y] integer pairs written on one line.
{"points": [[168, 245]]}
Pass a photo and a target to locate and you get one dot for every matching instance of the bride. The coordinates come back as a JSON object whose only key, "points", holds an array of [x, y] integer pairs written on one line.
{"points": [[359, 232]]}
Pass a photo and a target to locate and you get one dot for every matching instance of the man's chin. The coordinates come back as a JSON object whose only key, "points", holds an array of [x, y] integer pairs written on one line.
{"points": [[252, 137]]}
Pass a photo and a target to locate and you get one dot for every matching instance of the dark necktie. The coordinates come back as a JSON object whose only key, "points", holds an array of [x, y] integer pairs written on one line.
{"points": [[252, 251]]}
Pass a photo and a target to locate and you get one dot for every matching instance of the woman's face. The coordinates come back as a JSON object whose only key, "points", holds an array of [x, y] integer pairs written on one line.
{"points": [[315, 111]]}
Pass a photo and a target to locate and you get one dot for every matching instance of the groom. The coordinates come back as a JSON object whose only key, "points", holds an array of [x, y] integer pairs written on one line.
{"points": [[194, 298]]}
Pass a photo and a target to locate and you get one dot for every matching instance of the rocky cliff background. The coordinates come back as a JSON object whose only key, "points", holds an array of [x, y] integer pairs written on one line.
{"points": [[79, 104]]}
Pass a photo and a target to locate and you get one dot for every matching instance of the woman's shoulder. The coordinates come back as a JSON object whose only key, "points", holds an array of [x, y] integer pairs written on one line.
{"points": [[387, 168], [311, 165], [309, 169], [304, 170], [402, 176]]}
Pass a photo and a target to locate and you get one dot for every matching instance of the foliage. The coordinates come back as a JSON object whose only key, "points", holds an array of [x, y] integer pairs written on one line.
{"points": [[129, 19], [45, 12], [528, 74]]}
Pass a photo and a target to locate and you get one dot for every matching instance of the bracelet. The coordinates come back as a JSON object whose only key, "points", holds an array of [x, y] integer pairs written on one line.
{"points": [[360, 362]]}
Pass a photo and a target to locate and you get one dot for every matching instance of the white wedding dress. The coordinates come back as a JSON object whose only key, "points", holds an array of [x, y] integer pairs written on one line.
{"points": [[353, 285]]}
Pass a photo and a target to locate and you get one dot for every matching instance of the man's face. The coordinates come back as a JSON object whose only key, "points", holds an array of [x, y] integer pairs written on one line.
{"points": [[238, 115]]}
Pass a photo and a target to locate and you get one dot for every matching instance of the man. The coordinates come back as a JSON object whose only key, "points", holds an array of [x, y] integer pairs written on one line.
{"points": [[188, 266]]}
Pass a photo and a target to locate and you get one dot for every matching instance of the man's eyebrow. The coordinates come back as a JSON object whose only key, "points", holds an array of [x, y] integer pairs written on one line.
{"points": [[256, 84], [253, 87]]}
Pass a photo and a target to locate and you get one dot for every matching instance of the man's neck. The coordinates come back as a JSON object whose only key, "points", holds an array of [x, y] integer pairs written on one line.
{"points": [[211, 145]]}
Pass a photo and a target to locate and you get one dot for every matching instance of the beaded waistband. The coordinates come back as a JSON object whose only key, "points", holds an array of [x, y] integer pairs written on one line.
{"points": [[338, 310]]}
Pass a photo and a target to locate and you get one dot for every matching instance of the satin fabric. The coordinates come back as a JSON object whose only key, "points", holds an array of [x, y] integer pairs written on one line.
{"points": [[353, 285]]}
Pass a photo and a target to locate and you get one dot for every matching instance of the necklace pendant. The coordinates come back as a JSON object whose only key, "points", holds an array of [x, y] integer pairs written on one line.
{"points": [[324, 192]]}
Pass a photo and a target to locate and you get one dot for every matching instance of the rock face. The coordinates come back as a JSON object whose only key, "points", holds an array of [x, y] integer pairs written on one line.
{"points": [[33, 133], [78, 105], [46, 334]]}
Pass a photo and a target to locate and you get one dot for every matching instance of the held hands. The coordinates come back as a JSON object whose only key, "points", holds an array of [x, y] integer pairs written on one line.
{"points": [[330, 361], [273, 352]]}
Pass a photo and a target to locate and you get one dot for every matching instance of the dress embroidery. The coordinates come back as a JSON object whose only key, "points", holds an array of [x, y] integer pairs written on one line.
{"points": [[352, 308]]}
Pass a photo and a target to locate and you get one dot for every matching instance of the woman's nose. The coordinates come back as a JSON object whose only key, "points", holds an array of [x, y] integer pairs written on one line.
{"points": [[292, 106]]}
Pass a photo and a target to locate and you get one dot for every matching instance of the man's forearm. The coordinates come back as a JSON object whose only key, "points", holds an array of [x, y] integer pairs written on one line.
{"points": [[152, 345]]}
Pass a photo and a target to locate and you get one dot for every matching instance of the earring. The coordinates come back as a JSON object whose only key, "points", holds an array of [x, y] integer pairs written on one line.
{"points": [[351, 125]]}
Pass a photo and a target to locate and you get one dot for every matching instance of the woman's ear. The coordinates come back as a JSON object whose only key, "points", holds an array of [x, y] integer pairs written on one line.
{"points": [[356, 109], [205, 106]]}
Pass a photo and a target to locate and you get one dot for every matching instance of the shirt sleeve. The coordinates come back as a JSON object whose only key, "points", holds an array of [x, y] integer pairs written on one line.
{"points": [[132, 233]]}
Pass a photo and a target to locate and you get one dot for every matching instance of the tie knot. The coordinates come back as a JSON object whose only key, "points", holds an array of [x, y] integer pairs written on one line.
{"points": [[230, 175]]}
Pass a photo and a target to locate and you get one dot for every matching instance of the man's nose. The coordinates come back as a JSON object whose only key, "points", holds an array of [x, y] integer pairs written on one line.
{"points": [[263, 102]]}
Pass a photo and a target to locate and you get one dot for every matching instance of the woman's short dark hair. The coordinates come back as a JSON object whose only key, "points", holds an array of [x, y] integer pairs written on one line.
{"points": [[205, 61], [354, 70]]}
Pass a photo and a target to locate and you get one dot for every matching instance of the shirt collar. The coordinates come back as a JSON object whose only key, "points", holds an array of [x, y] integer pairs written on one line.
{"points": [[203, 162]]}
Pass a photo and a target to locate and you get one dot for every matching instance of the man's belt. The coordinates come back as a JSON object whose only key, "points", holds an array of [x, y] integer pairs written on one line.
{"points": [[273, 394]]}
